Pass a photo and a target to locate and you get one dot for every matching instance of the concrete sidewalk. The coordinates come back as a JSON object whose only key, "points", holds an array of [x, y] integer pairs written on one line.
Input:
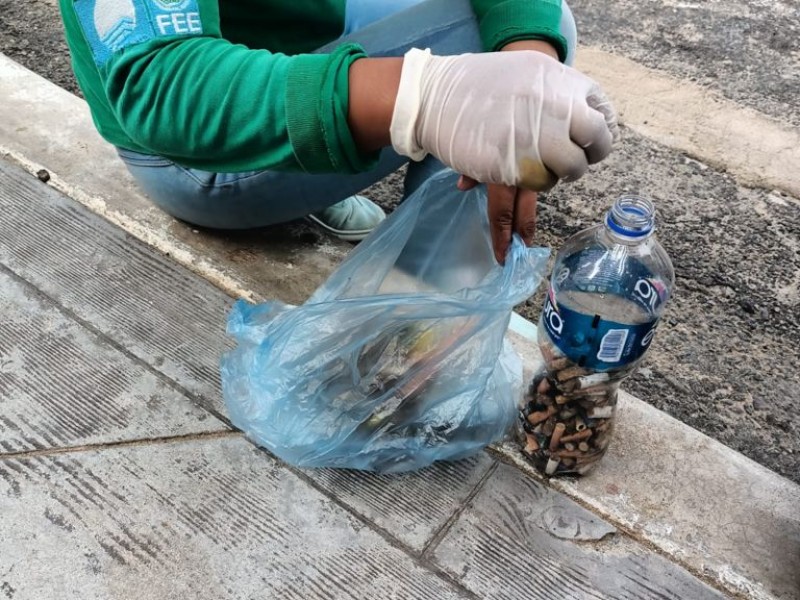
{"points": [[99, 499]]}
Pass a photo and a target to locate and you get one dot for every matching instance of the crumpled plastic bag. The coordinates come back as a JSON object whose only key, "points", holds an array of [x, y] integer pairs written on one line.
{"points": [[400, 358]]}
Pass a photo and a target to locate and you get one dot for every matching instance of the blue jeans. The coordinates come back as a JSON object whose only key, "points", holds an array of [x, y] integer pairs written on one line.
{"points": [[260, 198]]}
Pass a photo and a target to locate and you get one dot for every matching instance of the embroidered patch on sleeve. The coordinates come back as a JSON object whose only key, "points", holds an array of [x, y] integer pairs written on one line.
{"points": [[111, 25]]}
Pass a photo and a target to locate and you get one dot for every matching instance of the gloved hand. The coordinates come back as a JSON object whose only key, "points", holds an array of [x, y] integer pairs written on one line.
{"points": [[515, 118]]}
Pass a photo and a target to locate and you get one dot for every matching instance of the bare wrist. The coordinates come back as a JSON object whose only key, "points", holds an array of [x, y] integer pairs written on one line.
{"points": [[537, 45], [373, 84]]}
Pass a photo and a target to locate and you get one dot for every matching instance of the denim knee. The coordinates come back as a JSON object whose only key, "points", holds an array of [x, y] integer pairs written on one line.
{"points": [[569, 30], [360, 13]]}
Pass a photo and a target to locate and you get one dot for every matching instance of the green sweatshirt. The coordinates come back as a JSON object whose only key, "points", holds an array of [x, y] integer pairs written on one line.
{"points": [[227, 85]]}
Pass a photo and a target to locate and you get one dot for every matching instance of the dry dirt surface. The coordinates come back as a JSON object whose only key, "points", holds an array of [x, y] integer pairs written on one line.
{"points": [[726, 358]]}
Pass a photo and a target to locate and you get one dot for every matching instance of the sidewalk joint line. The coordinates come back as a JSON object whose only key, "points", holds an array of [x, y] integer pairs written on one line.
{"points": [[176, 252], [176, 439], [387, 536], [192, 397], [444, 529]]}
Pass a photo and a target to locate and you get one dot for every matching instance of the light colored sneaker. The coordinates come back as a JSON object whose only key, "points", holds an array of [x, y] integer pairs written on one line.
{"points": [[351, 220]]}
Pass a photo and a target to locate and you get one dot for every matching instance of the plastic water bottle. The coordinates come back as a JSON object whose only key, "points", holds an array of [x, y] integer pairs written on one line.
{"points": [[608, 290]]}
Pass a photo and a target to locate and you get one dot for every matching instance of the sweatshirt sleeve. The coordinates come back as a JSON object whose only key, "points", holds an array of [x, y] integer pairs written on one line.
{"points": [[504, 21], [178, 90]]}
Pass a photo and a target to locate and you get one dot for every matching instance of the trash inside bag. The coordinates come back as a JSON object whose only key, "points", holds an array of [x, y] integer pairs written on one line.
{"points": [[400, 358]]}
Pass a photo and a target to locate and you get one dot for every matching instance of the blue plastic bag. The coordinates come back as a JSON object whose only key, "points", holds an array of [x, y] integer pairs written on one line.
{"points": [[399, 359]]}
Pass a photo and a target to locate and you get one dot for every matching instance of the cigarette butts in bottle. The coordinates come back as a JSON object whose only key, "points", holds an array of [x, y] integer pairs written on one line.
{"points": [[608, 289]]}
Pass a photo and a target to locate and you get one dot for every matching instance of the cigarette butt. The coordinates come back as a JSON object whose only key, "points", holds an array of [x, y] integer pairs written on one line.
{"points": [[555, 440], [601, 412], [568, 463], [543, 386], [569, 454], [594, 394], [532, 445], [576, 437], [552, 465], [542, 415], [549, 426], [561, 399], [592, 380], [579, 424], [569, 446], [559, 364], [571, 373], [583, 447]]}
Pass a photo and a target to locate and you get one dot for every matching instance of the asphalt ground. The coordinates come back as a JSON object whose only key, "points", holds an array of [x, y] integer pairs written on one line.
{"points": [[725, 359]]}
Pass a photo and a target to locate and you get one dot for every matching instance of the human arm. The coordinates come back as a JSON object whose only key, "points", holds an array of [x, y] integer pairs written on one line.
{"points": [[202, 101], [483, 117]]}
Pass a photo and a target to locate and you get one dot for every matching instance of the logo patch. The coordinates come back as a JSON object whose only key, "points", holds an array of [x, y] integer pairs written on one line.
{"points": [[114, 22], [111, 25]]}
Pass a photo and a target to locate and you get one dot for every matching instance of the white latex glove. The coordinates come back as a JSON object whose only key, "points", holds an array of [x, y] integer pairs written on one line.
{"points": [[516, 118]]}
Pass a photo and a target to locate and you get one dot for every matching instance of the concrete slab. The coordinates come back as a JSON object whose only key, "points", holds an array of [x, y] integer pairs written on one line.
{"points": [[164, 315], [707, 507], [216, 519], [291, 262], [62, 385], [413, 507], [723, 514], [219, 518], [516, 539]]}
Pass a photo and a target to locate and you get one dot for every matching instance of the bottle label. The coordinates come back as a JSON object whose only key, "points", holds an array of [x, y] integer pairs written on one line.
{"points": [[592, 342]]}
